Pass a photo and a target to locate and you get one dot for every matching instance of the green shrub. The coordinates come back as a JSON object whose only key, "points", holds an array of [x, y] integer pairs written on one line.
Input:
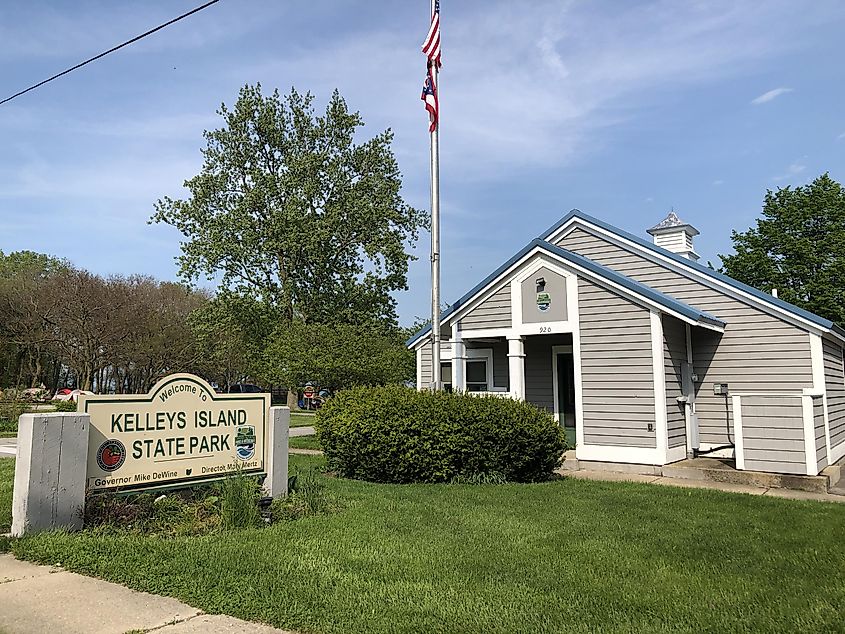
{"points": [[64, 406], [396, 434], [10, 411], [178, 512], [239, 496], [307, 495]]}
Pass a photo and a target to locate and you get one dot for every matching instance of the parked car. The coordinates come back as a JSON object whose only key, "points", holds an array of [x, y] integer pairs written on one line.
{"points": [[244, 388]]}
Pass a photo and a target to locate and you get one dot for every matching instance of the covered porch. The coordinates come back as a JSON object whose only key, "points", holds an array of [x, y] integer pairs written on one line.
{"points": [[539, 369]]}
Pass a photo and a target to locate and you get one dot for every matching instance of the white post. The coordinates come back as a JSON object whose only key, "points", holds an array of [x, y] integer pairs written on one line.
{"points": [[276, 483], [437, 382], [516, 367], [808, 412], [739, 441], [458, 360], [661, 424], [50, 472], [689, 391]]}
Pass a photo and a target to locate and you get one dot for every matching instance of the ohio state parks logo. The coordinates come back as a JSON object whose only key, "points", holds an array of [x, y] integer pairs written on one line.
{"points": [[111, 455]]}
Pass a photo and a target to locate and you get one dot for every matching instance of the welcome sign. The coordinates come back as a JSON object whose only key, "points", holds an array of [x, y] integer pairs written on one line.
{"points": [[181, 432]]}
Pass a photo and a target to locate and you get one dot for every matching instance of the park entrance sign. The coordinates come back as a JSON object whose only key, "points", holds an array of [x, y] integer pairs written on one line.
{"points": [[179, 433]]}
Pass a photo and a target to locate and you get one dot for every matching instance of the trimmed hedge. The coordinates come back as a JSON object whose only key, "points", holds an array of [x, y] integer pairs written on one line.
{"points": [[396, 434]]}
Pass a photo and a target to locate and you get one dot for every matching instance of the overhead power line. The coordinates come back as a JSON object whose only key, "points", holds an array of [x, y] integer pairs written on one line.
{"points": [[111, 50]]}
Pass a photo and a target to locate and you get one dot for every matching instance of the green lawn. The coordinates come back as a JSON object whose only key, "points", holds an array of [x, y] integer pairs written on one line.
{"points": [[298, 419], [569, 555], [7, 478], [304, 442]]}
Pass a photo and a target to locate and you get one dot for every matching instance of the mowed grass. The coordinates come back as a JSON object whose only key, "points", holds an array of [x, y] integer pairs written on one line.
{"points": [[562, 556], [304, 442], [7, 479], [298, 419]]}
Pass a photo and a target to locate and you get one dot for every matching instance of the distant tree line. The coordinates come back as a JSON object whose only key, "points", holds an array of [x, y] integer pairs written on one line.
{"points": [[61, 326]]}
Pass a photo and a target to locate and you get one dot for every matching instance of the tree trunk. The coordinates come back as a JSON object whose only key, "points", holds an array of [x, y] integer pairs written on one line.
{"points": [[293, 398]]}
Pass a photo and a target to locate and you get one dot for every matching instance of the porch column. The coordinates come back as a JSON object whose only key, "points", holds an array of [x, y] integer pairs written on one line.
{"points": [[516, 367], [458, 360]]}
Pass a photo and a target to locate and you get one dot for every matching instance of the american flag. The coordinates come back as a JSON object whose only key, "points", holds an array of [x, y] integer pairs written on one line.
{"points": [[431, 46], [429, 96]]}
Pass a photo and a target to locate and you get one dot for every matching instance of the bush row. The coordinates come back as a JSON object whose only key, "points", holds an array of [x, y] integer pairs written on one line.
{"points": [[396, 434]]}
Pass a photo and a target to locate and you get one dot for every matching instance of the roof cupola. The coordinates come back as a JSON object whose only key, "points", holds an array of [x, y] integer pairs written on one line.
{"points": [[675, 235]]}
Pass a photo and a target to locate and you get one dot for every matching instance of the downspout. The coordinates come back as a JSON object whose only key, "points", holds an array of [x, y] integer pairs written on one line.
{"points": [[689, 396]]}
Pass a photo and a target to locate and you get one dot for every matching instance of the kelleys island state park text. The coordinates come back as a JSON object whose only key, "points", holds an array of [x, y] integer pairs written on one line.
{"points": [[180, 431]]}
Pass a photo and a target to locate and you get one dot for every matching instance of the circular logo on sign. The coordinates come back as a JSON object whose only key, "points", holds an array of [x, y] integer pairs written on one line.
{"points": [[111, 455], [245, 442]]}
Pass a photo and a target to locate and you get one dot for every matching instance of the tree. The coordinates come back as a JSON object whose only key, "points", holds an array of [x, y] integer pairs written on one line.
{"points": [[797, 247], [290, 209], [28, 303], [339, 355]]}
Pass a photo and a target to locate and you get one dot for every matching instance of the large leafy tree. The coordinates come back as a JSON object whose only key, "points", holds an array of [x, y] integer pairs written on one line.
{"points": [[290, 208], [338, 355], [797, 247]]}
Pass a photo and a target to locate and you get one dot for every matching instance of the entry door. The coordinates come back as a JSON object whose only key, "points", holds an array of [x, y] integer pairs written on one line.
{"points": [[566, 392]]}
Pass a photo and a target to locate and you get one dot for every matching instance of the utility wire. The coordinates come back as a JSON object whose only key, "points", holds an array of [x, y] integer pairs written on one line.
{"points": [[111, 50]]}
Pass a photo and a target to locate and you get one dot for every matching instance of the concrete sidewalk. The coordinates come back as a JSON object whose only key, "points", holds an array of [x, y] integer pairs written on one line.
{"points": [[616, 476], [43, 599]]}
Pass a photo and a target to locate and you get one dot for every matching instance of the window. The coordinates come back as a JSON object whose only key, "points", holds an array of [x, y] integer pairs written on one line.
{"points": [[476, 375], [446, 376]]}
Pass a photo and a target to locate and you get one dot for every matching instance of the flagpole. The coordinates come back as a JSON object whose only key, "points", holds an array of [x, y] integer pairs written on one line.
{"points": [[437, 383]]}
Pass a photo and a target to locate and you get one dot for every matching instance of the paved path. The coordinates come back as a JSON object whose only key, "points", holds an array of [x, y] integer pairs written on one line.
{"points": [[7, 446], [85, 605], [302, 431], [615, 476]]}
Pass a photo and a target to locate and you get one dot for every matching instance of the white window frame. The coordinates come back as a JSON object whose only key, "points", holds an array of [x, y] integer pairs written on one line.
{"points": [[478, 354]]}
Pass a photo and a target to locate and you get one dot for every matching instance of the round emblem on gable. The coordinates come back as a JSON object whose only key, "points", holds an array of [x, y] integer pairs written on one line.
{"points": [[544, 300], [111, 455]]}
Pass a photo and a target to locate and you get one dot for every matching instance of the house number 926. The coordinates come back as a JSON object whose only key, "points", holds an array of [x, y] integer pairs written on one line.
{"points": [[545, 329]]}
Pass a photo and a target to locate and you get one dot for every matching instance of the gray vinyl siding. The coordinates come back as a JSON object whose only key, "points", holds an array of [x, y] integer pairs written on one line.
{"points": [[818, 424], [500, 364], [617, 374], [674, 358], [773, 434], [835, 385], [425, 378], [539, 375], [758, 352], [493, 312]]}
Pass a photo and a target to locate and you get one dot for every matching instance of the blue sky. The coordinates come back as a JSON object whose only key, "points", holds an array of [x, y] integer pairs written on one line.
{"points": [[620, 109]]}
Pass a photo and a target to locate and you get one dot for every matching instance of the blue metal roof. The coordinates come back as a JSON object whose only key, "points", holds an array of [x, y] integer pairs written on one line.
{"points": [[594, 267], [650, 246]]}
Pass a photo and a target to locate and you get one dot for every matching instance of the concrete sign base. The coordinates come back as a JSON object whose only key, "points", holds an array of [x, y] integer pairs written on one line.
{"points": [[50, 470], [276, 484]]}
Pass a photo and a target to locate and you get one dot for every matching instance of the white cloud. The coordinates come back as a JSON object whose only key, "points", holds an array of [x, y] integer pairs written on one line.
{"points": [[794, 169], [840, 137], [540, 87], [770, 95], [718, 182]]}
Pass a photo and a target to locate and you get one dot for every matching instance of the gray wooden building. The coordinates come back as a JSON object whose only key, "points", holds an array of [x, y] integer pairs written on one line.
{"points": [[646, 355]]}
